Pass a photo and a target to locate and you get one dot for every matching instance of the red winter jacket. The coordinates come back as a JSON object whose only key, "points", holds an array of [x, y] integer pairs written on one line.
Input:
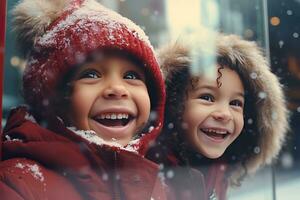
{"points": [[41, 164], [188, 181]]}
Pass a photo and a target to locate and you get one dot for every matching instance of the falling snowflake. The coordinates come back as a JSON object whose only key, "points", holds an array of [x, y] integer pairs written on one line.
{"points": [[170, 125], [45, 102], [287, 160], [250, 121], [104, 177], [289, 12], [281, 43], [253, 75], [170, 174], [262, 95], [161, 166], [257, 150], [161, 176], [153, 116], [222, 168], [295, 35]]}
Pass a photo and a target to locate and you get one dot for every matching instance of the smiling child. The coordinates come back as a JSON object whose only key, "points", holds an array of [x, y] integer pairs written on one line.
{"points": [[218, 128], [213, 112], [96, 100]]}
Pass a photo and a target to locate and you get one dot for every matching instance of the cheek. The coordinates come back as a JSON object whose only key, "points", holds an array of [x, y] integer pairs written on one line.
{"points": [[239, 123], [143, 103], [192, 116], [80, 104]]}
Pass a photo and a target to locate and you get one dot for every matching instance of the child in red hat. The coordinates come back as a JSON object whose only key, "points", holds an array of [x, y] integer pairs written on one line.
{"points": [[218, 128], [96, 96]]}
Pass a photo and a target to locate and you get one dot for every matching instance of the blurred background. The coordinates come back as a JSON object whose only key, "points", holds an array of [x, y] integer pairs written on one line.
{"points": [[274, 24]]}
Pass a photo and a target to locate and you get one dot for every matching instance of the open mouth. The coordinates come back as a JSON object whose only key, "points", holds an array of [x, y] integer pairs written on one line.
{"points": [[113, 119], [215, 134]]}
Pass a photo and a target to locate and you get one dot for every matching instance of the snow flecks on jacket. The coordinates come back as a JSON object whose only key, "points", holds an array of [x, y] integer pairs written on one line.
{"points": [[92, 137], [133, 145], [9, 139], [33, 169], [30, 118]]}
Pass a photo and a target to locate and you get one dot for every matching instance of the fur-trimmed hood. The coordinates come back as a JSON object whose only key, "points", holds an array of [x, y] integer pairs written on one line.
{"points": [[268, 98]]}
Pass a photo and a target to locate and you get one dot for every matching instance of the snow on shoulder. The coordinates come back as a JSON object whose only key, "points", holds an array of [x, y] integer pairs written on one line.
{"points": [[33, 169]]}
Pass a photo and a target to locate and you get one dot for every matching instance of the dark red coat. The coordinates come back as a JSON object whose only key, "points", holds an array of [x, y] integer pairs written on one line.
{"points": [[41, 164], [189, 181]]}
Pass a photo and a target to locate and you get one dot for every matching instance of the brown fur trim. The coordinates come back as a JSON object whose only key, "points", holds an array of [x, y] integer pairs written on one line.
{"points": [[272, 114], [173, 58], [32, 17]]}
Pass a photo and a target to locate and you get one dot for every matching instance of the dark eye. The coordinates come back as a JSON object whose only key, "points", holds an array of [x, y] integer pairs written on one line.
{"points": [[237, 103], [132, 75], [207, 97], [89, 74]]}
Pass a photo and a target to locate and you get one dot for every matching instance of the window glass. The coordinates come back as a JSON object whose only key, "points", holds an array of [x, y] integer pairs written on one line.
{"points": [[271, 24]]}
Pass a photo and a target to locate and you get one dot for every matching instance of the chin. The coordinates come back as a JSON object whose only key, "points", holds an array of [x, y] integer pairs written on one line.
{"points": [[214, 155]]}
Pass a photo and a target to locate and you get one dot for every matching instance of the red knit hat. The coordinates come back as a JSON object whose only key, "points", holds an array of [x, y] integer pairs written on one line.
{"points": [[63, 33]]}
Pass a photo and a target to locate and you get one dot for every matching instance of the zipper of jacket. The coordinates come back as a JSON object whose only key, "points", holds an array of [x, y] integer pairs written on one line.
{"points": [[117, 194]]}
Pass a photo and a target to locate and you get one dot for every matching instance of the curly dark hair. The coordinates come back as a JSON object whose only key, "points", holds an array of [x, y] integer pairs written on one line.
{"points": [[177, 85]]}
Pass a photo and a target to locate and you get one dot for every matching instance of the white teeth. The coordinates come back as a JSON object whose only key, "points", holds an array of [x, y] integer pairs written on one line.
{"points": [[120, 116], [214, 131], [221, 132], [114, 116]]}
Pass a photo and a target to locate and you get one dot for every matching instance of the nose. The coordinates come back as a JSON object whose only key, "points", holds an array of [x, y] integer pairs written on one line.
{"points": [[115, 89], [222, 114]]}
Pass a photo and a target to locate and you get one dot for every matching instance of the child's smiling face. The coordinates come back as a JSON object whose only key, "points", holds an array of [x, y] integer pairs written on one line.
{"points": [[110, 97], [214, 115]]}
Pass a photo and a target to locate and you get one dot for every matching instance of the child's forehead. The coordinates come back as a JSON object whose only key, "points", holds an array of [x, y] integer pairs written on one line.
{"points": [[225, 77], [100, 59], [201, 80], [102, 55]]}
